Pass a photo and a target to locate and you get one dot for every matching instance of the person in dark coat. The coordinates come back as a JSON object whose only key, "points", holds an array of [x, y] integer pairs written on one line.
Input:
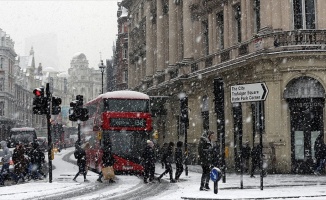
{"points": [[107, 160], [178, 160], [37, 160], [149, 162], [162, 151], [80, 155], [246, 150], [20, 162], [168, 159], [320, 154], [205, 152], [255, 158]]}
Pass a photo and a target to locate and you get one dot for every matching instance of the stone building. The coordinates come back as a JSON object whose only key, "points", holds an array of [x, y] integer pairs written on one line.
{"points": [[18, 78], [200, 48], [121, 51]]}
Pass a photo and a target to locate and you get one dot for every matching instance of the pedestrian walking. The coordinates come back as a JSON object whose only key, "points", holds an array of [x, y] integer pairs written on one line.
{"points": [[168, 159], [320, 154], [107, 160], [37, 161], [5, 164], [255, 159], [205, 151], [178, 161], [246, 150], [148, 161], [80, 155], [162, 152], [20, 162]]}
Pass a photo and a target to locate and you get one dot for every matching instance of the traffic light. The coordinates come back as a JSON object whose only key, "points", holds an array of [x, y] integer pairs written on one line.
{"points": [[56, 102], [40, 102], [73, 111], [184, 111], [76, 111]]}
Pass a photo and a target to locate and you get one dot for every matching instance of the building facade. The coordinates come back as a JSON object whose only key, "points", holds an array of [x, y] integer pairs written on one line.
{"points": [[200, 48], [17, 80]]}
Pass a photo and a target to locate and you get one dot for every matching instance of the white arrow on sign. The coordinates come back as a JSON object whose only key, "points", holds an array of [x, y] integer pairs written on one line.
{"points": [[249, 92]]}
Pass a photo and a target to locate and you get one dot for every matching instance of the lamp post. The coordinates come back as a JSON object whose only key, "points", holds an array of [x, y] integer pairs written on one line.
{"points": [[102, 66]]}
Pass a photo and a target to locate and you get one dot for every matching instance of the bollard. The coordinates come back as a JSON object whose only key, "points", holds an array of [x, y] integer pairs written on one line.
{"points": [[215, 176]]}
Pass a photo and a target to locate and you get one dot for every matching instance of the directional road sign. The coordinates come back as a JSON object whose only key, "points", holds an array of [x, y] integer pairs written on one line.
{"points": [[249, 92]]}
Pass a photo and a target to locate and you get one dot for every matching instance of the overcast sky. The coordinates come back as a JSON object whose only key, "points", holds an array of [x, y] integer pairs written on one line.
{"points": [[57, 30]]}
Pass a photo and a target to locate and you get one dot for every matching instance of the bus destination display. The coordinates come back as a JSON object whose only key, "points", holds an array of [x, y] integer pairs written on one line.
{"points": [[127, 122]]}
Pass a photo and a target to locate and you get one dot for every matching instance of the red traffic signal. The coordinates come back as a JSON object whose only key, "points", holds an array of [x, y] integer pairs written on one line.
{"points": [[39, 92]]}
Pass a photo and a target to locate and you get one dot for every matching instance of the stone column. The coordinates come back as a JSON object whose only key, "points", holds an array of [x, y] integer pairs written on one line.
{"points": [[149, 42], [160, 36], [227, 21], [266, 13], [173, 34], [187, 31]]}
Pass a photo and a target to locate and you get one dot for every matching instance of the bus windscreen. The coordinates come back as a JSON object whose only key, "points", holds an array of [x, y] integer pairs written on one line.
{"points": [[126, 105]]}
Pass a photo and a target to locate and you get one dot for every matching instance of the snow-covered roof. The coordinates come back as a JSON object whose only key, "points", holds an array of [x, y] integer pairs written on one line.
{"points": [[122, 94], [125, 94], [124, 12], [63, 75]]}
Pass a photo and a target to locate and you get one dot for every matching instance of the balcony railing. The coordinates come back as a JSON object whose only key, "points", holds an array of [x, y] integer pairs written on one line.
{"points": [[269, 42]]}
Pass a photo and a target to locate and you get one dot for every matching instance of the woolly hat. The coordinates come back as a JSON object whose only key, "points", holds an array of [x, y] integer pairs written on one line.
{"points": [[150, 143]]}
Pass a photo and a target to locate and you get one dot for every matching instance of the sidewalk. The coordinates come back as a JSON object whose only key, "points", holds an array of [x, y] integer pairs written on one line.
{"points": [[275, 186]]}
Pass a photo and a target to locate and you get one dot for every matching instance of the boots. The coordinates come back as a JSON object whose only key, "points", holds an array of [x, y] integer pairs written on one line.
{"points": [[207, 187]]}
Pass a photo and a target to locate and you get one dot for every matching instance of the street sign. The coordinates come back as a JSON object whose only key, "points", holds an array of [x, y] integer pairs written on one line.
{"points": [[249, 92], [215, 174]]}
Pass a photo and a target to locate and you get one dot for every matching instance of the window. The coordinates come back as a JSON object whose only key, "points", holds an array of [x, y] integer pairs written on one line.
{"points": [[304, 14], [205, 37], [1, 84], [220, 30], [256, 15], [125, 53], [205, 113], [2, 62], [237, 17], [125, 76], [2, 108]]}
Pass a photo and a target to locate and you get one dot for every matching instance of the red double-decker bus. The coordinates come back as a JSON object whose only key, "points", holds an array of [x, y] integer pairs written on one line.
{"points": [[123, 118]]}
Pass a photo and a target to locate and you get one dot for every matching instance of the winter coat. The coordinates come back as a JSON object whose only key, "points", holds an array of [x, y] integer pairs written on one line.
{"points": [[319, 148], [19, 160], [162, 152], [255, 153], [205, 150], [6, 152], [107, 158], [168, 155], [148, 155], [246, 152], [81, 159], [178, 156], [37, 156]]}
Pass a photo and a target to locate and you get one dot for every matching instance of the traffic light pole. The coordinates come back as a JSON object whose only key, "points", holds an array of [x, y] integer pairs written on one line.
{"points": [[79, 139], [48, 118]]}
